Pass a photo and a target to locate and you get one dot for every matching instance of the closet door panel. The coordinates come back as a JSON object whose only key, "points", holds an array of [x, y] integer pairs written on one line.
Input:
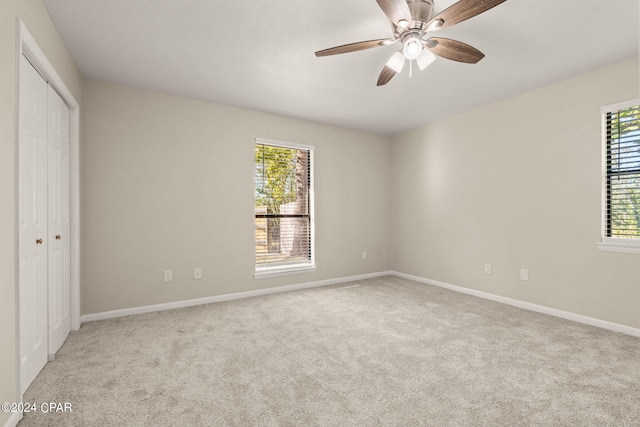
{"points": [[59, 222], [32, 220]]}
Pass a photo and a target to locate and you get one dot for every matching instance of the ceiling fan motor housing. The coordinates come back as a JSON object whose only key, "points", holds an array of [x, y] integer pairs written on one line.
{"points": [[421, 12]]}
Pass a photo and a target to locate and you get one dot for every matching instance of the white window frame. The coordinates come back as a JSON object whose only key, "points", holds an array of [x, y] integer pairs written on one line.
{"points": [[611, 244], [263, 272]]}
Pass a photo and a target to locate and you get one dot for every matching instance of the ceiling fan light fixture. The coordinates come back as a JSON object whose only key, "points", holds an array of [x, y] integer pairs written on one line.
{"points": [[396, 62], [425, 58], [412, 47]]}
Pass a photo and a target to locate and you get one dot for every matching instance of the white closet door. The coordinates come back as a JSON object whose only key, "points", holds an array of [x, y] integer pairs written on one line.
{"points": [[59, 223], [32, 216]]}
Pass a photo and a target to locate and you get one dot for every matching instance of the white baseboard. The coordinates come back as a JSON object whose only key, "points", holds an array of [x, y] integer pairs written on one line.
{"points": [[227, 297], [616, 327], [628, 330], [13, 420]]}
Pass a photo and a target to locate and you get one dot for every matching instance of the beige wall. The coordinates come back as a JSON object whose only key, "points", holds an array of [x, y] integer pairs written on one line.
{"points": [[517, 184], [168, 184], [35, 17]]}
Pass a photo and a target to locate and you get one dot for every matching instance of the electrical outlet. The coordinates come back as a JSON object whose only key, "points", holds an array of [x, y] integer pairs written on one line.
{"points": [[168, 275], [364, 255], [487, 269], [197, 273], [524, 274]]}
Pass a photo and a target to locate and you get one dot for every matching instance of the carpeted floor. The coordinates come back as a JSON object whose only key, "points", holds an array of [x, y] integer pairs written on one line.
{"points": [[379, 352]]}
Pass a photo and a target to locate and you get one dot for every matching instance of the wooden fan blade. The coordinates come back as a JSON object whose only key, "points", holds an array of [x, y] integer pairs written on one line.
{"points": [[463, 10], [354, 47], [386, 75], [454, 50], [393, 66], [396, 10]]}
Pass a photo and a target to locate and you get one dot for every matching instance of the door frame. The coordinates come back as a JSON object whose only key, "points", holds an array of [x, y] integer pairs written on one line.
{"points": [[27, 45]]}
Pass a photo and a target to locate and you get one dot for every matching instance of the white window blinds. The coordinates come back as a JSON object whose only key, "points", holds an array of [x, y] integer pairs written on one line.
{"points": [[283, 205], [622, 186]]}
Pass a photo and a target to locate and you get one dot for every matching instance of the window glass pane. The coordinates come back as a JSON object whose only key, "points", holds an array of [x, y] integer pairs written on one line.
{"points": [[282, 205], [623, 173]]}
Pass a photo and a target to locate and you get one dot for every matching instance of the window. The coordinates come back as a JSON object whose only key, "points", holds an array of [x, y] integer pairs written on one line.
{"points": [[622, 177], [283, 208]]}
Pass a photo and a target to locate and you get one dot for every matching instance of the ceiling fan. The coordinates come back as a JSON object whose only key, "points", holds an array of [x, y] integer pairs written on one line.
{"points": [[411, 20]]}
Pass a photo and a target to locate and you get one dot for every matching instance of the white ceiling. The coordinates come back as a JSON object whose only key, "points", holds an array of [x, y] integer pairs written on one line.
{"points": [[260, 54]]}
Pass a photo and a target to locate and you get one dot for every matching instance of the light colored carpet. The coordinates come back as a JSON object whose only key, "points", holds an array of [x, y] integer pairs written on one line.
{"points": [[379, 352]]}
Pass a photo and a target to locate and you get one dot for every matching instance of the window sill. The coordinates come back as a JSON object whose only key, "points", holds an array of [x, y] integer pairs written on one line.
{"points": [[289, 270], [625, 248]]}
